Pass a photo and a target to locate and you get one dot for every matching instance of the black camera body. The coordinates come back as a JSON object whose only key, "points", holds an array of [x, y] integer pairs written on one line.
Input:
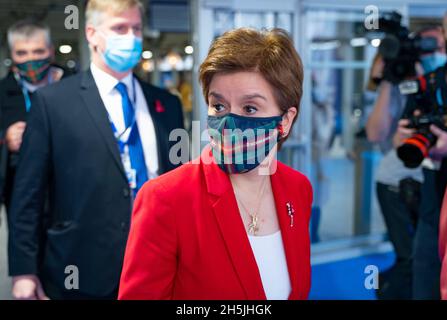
{"points": [[429, 100], [400, 49]]}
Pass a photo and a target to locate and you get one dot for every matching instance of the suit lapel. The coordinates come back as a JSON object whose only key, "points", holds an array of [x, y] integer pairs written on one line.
{"points": [[225, 209], [288, 231], [98, 112], [159, 127]]}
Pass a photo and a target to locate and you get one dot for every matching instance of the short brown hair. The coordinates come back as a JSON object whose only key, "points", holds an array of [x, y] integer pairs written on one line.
{"points": [[270, 52], [95, 7]]}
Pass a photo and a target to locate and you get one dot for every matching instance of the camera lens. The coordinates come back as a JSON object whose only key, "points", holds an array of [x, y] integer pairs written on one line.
{"points": [[414, 150], [389, 47]]}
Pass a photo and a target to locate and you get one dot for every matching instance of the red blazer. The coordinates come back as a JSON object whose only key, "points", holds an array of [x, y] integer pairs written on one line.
{"points": [[187, 239], [443, 247]]}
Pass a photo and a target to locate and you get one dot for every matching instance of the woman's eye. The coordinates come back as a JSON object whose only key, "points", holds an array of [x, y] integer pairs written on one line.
{"points": [[218, 107], [250, 109]]}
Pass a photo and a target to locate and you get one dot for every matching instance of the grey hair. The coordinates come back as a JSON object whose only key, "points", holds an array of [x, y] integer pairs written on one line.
{"points": [[26, 29]]}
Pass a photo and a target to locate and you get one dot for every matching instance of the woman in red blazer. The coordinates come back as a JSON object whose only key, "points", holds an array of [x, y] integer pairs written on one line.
{"points": [[232, 224]]}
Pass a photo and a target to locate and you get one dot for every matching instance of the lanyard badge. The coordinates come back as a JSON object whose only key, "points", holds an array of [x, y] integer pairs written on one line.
{"points": [[131, 173], [122, 140]]}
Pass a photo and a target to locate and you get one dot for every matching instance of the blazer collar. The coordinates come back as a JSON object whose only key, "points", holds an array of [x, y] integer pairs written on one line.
{"points": [[98, 112], [148, 94], [291, 227], [11, 85], [235, 236], [217, 181]]}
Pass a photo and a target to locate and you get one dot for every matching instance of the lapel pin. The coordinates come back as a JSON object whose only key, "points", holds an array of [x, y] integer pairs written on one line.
{"points": [[290, 212], [159, 107]]}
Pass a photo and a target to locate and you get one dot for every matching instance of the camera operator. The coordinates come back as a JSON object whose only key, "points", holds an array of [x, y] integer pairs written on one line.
{"points": [[426, 262], [393, 181]]}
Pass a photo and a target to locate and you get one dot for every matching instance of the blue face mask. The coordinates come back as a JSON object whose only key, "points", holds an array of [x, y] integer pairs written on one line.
{"points": [[122, 52], [240, 144], [433, 61]]}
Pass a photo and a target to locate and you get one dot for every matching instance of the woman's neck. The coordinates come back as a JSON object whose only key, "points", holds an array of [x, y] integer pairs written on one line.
{"points": [[249, 181]]}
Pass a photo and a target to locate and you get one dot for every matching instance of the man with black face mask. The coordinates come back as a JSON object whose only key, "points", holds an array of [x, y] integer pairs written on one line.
{"points": [[32, 54]]}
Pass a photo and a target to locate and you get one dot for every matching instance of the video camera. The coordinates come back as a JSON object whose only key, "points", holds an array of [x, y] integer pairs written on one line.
{"points": [[427, 95], [400, 49]]}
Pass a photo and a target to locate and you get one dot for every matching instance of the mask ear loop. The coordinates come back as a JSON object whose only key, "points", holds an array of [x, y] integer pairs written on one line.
{"points": [[280, 127], [280, 131]]}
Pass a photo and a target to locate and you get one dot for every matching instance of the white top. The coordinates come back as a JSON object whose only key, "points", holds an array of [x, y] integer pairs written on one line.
{"points": [[272, 264], [113, 102]]}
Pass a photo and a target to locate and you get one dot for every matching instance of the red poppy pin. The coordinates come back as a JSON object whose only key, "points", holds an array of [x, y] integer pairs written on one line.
{"points": [[159, 107]]}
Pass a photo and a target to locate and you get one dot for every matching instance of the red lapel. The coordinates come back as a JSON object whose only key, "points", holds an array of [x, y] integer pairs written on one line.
{"points": [[289, 233], [232, 229]]}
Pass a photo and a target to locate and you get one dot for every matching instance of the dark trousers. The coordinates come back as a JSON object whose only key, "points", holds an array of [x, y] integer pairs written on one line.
{"points": [[8, 186], [396, 283], [426, 261]]}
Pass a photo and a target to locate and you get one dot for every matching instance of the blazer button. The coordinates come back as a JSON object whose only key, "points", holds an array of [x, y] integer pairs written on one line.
{"points": [[123, 226], [126, 193]]}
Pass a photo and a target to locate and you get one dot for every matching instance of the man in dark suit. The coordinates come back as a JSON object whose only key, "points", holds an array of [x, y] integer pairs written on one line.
{"points": [[92, 140], [32, 53]]}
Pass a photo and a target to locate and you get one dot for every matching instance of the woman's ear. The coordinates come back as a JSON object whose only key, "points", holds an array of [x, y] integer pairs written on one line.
{"points": [[287, 120]]}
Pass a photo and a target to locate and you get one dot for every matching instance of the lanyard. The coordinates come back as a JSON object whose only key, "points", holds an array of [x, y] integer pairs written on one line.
{"points": [[25, 91], [121, 137]]}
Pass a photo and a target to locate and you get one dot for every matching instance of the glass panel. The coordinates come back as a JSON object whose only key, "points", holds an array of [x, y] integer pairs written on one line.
{"points": [[284, 21], [227, 19], [343, 162], [252, 20], [223, 21], [338, 34]]}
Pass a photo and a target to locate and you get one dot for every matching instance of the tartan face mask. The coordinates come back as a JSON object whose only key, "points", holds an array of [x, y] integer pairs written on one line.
{"points": [[34, 71], [239, 144]]}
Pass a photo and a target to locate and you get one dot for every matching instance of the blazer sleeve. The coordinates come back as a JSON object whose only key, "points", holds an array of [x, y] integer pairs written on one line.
{"points": [[150, 261], [443, 247], [27, 205]]}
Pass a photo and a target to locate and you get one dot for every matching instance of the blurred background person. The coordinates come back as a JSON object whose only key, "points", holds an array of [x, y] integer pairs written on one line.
{"points": [[393, 182], [93, 139], [32, 55], [426, 261]]}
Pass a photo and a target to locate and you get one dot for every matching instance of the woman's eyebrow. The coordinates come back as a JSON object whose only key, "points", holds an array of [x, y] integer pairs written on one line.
{"points": [[254, 95], [246, 97], [217, 96]]}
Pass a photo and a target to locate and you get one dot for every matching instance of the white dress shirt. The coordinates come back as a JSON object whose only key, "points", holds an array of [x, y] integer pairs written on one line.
{"points": [[272, 264], [113, 102]]}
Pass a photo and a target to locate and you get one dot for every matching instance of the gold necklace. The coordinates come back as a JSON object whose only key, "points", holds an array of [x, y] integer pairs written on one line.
{"points": [[253, 226]]}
